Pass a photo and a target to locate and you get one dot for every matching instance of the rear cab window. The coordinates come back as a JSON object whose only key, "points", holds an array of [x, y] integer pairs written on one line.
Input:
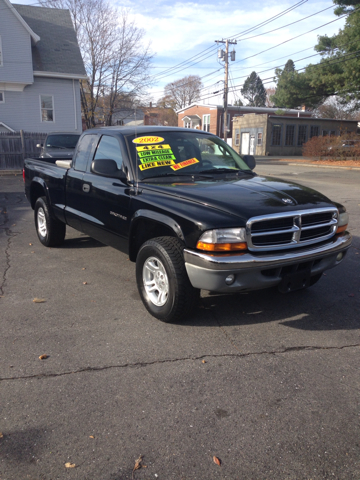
{"points": [[84, 151]]}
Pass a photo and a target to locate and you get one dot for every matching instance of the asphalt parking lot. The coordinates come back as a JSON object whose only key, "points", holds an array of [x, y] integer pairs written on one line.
{"points": [[267, 383]]}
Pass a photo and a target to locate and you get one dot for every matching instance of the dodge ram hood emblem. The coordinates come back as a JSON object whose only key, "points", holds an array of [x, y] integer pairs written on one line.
{"points": [[288, 201]]}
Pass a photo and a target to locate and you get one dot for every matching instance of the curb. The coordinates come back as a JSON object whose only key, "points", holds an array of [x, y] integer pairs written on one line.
{"points": [[322, 166], [10, 172]]}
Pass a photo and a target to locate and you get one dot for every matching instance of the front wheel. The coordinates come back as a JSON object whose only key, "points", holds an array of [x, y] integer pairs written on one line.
{"points": [[50, 231], [162, 280]]}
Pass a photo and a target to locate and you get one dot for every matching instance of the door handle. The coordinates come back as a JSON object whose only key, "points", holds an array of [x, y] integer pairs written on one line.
{"points": [[86, 187]]}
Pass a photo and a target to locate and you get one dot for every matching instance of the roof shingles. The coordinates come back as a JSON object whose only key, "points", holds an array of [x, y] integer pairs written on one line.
{"points": [[58, 50]]}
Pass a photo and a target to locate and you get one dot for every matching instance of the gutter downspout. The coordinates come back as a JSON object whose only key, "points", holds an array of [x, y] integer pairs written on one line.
{"points": [[75, 109]]}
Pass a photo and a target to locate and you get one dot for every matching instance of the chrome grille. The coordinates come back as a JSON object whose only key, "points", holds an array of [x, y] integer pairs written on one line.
{"points": [[292, 229]]}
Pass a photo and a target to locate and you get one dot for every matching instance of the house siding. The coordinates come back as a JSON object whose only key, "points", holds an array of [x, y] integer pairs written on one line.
{"points": [[16, 49], [15, 111], [200, 111]]}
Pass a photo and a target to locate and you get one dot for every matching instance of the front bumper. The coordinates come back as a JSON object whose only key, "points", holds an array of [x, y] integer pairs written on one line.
{"points": [[254, 271]]}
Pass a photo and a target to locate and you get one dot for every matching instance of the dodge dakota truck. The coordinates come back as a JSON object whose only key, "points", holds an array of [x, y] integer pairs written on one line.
{"points": [[190, 211]]}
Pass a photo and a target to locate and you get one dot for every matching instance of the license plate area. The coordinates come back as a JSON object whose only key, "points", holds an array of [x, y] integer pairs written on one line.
{"points": [[295, 281]]}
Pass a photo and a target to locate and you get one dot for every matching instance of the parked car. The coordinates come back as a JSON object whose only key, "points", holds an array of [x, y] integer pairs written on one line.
{"points": [[345, 149], [59, 145], [191, 213]]}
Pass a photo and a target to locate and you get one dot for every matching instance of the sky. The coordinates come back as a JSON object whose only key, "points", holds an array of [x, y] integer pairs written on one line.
{"points": [[183, 34]]}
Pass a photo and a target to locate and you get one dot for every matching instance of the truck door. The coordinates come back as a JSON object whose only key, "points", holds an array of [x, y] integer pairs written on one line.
{"points": [[75, 198], [106, 211]]}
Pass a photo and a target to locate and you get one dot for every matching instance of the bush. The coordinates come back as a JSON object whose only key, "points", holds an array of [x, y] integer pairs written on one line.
{"points": [[340, 147]]}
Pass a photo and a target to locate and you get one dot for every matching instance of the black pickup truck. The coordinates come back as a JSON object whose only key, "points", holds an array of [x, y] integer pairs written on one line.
{"points": [[190, 212]]}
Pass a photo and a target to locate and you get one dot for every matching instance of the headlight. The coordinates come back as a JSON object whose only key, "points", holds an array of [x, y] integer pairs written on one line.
{"points": [[223, 240], [343, 222]]}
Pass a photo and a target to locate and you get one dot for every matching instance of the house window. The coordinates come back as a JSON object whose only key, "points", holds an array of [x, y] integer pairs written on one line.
{"points": [[325, 133], [1, 54], [187, 124], [332, 133], [206, 123], [301, 135], [47, 108], [289, 135], [237, 136], [259, 138], [2, 97], [276, 135], [314, 131], [120, 122]]}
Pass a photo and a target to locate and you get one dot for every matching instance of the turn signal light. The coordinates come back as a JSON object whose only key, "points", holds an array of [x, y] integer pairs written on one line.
{"points": [[221, 247], [341, 229]]}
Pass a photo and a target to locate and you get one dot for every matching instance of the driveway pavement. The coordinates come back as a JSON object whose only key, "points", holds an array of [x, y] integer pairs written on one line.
{"points": [[267, 383]]}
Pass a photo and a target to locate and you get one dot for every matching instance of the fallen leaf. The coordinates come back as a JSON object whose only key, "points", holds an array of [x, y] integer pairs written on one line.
{"points": [[84, 283], [83, 269], [351, 295], [70, 465], [32, 252], [1, 435], [137, 465], [91, 436], [39, 300], [43, 357], [30, 244], [203, 361], [217, 461]]}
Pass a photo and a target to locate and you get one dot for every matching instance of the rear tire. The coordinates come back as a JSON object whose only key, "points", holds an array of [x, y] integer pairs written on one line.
{"points": [[162, 280], [50, 231]]}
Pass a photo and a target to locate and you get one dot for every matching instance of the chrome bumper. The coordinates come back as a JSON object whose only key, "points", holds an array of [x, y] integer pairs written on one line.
{"points": [[255, 271]]}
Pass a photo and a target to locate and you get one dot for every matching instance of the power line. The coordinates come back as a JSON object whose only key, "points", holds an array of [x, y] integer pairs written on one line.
{"points": [[200, 54], [350, 56], [279, 44]]}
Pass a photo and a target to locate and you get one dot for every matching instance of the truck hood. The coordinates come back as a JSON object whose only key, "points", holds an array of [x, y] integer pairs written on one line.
{"points": [[248, 196]]}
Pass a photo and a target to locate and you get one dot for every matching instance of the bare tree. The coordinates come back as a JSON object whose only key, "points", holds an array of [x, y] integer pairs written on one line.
{"points": [[269, 92], [333, 108], [183, 92], [116, 61]]}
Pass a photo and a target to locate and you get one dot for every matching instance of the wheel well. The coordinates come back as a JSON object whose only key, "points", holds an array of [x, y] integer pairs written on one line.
{"points": [[145, 230], [36, 191]]}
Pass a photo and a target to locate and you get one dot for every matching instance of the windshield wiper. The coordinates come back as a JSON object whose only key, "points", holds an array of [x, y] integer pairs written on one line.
{"points": [[226, 170], [55, 146], [193, 175], [169, 175]]}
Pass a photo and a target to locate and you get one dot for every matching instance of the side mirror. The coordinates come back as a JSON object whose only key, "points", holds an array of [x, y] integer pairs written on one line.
{"points": [[250, 161], [108, 168]]}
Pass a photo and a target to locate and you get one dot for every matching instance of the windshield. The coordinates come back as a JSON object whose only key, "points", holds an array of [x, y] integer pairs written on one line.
{"points": [[62, 141], [182, 153]]}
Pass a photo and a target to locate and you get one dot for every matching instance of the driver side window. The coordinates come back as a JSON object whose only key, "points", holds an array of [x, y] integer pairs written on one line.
{"points": [[109, 148]]}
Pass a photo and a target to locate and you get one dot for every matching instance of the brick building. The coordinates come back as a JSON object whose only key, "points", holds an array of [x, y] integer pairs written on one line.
{"points": [[211, 117]]}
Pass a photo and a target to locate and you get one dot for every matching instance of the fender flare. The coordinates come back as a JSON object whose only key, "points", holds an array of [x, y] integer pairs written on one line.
{"points": [[34, 183], [157, 217]]}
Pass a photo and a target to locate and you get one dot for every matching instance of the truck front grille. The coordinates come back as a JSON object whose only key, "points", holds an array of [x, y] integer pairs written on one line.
{"points": [[292, 229]]}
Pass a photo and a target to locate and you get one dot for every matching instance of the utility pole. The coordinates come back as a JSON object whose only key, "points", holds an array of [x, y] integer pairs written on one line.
{"points": [[225, 56]]}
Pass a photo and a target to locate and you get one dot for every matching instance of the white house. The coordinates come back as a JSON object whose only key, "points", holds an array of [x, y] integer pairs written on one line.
{"points": [[40, 69]]}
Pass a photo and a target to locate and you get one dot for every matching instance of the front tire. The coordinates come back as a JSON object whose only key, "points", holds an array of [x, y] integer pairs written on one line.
{"points": [[50, 231], [162, 280]]}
